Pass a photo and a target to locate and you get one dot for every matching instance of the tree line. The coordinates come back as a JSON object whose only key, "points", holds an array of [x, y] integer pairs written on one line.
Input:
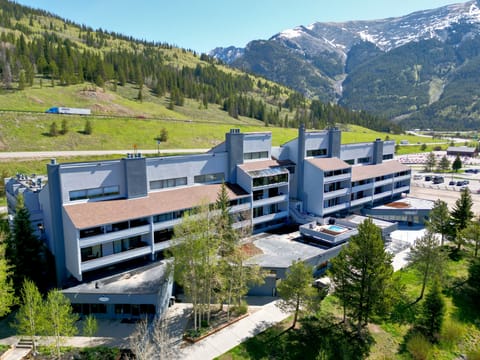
{"points": [[93, 56]]}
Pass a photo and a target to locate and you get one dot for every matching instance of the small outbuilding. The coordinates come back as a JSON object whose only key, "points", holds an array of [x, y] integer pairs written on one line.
{"points": [[463, 151]]}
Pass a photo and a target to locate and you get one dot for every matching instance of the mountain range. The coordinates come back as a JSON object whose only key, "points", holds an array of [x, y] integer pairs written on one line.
{"points": [[420, 70]]}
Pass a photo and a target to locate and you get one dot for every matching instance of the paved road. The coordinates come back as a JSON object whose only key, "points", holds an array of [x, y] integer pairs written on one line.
{"points": [[53, 154]]}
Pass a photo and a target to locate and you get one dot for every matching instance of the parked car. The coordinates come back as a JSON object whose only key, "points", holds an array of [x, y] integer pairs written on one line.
{"points": [[452, 182], [460, 183], [438, 180], [466, 182], [417, 177], [428, 178]]}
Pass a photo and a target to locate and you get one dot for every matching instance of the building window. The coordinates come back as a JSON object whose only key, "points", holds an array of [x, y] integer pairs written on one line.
{"points": [[387, 156], [268, 180], [317, 152], [350, 161], [168, 183], [363, 160], [255, 155], [257, 212], [94, 193], [209, 178]]}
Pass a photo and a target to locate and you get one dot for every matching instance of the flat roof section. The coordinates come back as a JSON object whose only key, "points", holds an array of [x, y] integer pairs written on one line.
{"points": [[145, 280], [279, 251], [329, 164], [407, 203], [362, 172], [90, 214], [259, 165]]}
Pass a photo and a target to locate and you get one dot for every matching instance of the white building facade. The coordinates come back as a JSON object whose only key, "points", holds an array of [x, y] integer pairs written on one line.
{"points": [[101, 215]]}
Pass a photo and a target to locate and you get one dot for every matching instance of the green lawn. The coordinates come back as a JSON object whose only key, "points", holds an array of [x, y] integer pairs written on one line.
{"points": [[460, 334]]}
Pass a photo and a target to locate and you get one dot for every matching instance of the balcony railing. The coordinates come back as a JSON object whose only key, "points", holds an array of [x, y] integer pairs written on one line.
{"points": [[270, 200], [115, 258], [269, 217], [336, 193], [116, 235]]}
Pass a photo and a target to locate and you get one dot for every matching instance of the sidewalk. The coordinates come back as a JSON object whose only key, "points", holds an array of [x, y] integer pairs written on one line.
{"points": [[226, 339]]}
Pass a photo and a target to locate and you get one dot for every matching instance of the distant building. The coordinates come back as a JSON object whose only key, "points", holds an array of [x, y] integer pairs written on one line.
{"points": [[462, 151], [102, 218]]}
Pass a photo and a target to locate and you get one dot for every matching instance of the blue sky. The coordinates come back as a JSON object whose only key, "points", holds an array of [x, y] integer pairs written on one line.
{"points": [[202, 25]]}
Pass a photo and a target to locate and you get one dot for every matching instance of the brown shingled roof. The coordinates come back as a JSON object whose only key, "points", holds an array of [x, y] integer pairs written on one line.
{"points": [[370, 171], [328, 164], [259, 165], [97, 213]]}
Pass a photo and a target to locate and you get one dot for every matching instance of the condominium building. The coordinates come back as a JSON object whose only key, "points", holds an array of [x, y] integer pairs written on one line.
{"points": [[104, 216]]}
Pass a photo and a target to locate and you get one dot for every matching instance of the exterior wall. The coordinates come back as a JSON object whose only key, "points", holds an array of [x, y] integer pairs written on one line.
{"points": [[186, 166], [313, 203], [91, 175], [72, 249], [257, 142], [356, 151]]}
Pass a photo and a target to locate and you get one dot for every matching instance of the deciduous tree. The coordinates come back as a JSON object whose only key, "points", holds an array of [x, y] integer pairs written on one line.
{"points": [[59, 318], [430, 162], [296, 290], [471, 234], [29, 319]]}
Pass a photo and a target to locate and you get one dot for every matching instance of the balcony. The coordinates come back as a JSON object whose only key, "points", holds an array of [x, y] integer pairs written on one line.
{"points": [[336, 193], [114, 258], [269, 217], [361, 201], [383, 182], [403, 177], [166, 224], [362, 187], [336, 208], [115, 235], [401, 189], [269, 201], [162, 245], [336, 178], [241, 207], [382, 195]]}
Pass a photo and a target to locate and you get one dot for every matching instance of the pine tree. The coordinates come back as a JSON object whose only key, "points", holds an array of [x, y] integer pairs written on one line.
{"points": [[362, 274], [430, 162], [427, 258], [457, 164], [7, 291], [53, 129], [439, 219], [444, 164], [64, 128], [433, 311], [88, 127], [461, 215], [25, 251]]}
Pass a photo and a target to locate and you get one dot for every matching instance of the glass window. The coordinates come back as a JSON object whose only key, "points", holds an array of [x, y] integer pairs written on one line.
{"points": [[111, 190], [78, 195], [94, 193]]}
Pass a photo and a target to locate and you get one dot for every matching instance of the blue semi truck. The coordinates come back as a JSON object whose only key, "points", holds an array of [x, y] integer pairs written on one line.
{"points": [[68, 110]]}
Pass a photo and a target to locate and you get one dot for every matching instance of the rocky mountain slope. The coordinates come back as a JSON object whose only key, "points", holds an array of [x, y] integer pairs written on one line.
{"points": [[420, 69]]}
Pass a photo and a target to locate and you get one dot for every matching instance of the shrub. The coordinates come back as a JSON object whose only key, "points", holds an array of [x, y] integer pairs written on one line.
{"points": [[452, 333], [419, 347], [240, 309], [474, 355]]}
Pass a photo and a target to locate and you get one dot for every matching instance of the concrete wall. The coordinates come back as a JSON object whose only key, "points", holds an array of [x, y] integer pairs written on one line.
{"points": [[91, 175], [314, 189], [72, 248], [189, 166]]}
